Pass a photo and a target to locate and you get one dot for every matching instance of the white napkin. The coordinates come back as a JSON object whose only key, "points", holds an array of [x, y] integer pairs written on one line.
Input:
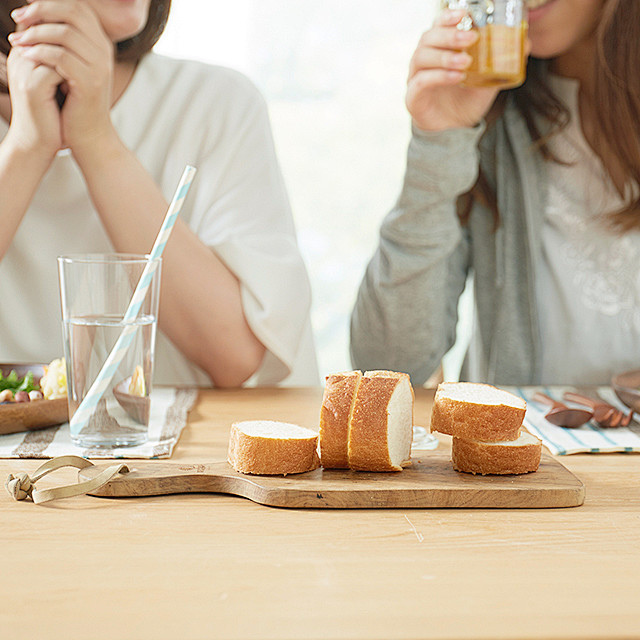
{"points": [[167, 418], [589, 438]]}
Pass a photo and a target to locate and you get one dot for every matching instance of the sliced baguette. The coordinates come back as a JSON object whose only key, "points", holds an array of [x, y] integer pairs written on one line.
{"points": [[497, 458], [476, 411], [381, 427], [335, 416], [267, 447]]}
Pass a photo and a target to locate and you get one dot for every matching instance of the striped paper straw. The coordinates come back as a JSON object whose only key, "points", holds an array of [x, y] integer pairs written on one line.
{"points": [[82, 414]]}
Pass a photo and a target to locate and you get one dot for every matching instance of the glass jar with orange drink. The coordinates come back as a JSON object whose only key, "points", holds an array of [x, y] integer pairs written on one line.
{"points": [[498, 54]]}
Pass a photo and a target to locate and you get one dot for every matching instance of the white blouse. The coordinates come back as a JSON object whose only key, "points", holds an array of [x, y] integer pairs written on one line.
{"points": [[172, 114], [588, 276]]}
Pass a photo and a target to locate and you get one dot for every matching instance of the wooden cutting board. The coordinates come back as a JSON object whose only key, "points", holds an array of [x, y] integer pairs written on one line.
{"points": [[430, 482]]}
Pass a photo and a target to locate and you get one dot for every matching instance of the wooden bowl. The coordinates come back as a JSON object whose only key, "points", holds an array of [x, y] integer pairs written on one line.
{"points": [[29, 416], [136, 406], [627, 388]]}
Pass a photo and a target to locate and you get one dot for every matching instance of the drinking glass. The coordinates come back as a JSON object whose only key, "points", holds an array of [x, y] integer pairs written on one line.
{"points": [[498, 54], [95, 292]]}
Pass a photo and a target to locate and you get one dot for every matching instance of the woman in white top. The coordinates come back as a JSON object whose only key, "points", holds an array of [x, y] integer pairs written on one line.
{"points": [[95, 175], [534, 191]]}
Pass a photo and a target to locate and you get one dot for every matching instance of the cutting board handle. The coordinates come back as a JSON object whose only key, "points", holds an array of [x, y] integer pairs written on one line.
{"points": [[161, 479]]}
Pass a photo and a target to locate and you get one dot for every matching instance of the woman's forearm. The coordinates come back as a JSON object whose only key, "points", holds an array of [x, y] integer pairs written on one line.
{"points": [[405, 313], [200, 305], [20, 174]]}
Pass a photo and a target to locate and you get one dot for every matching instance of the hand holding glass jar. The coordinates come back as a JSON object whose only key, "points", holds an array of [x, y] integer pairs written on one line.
{"points": [[498, 55], [474, 49]]}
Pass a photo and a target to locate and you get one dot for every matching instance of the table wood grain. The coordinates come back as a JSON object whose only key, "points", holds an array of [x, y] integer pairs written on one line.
{"points": [[215, 566]]}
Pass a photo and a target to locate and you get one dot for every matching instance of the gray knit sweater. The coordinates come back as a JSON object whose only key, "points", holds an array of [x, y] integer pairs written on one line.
{"points": [[406, 310]]}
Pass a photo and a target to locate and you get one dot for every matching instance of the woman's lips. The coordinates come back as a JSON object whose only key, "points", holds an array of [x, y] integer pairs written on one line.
{"points": [[538, 8]]}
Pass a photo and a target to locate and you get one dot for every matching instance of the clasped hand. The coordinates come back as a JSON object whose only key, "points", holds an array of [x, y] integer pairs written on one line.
{"points": [[59, 45]]}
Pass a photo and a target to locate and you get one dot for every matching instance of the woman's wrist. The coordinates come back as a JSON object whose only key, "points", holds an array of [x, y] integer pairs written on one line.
{"points": [[99, 152], [422, 129], [20, 153]]}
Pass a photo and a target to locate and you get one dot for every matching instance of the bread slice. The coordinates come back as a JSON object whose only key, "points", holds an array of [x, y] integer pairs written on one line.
{"points": [[338, 402], [267, 447], [497, 458], [381, 426], [476, 411]]}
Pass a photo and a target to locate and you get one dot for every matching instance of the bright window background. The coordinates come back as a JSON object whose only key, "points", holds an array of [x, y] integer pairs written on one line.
{"points": [[333, 73]]}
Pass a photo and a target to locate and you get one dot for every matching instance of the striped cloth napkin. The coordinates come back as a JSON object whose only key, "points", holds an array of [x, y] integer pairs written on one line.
{"points": [[167, 418], [588, 438]]}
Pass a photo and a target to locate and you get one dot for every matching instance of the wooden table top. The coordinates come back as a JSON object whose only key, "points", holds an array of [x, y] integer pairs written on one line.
{"points": [[214, 566]]}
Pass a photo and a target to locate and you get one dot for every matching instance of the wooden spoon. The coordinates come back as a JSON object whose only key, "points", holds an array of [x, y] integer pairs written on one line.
{"points": [[561, 415]]}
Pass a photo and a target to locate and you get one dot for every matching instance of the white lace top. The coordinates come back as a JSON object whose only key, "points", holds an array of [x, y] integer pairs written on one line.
{"points": [[589, 276]]}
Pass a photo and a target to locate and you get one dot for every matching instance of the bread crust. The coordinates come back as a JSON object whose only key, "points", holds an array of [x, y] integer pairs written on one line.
{"points": [[368, 445], [271, 456], [475, 421], [335, 415], [495, 459]]}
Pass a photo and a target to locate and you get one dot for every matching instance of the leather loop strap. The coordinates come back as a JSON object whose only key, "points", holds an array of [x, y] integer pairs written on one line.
{"points": [[22, 486]]}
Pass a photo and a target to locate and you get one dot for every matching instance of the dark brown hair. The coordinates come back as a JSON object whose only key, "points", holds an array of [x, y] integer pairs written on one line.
{"points": [[616, 100], [132, 49]]}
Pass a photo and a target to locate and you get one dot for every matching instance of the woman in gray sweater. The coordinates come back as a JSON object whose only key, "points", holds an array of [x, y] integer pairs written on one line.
{"points": [[532, 191]]}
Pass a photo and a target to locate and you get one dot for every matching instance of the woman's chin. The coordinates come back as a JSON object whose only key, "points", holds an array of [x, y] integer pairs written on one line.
{"points": [[122, 31], [544, 53], [123, 19]]}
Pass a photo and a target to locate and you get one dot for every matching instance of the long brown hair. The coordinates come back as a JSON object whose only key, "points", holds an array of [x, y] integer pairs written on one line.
{"points": [[132, 49], [616, 100]]}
